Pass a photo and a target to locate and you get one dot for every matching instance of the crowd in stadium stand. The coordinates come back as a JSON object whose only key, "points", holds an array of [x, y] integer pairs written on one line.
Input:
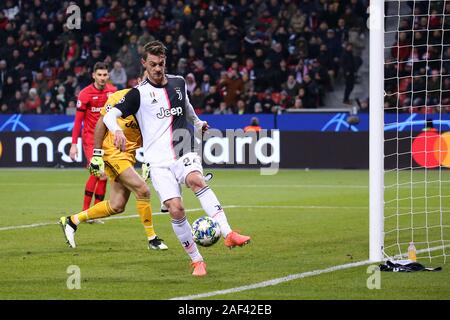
{"points": [[417, 71], [237, 56]]}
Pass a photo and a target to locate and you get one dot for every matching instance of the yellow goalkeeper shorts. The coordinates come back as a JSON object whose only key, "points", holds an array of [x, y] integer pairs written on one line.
{"points": [[113, 168]]}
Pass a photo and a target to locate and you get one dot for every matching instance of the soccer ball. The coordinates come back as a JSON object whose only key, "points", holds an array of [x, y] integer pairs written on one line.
{"points": [[205, 231]]}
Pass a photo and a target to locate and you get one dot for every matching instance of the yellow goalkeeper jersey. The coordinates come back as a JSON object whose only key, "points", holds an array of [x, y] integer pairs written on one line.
{"points": [[130, 129]]}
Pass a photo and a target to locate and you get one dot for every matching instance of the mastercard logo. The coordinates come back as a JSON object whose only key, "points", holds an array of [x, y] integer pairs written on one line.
{"points": [[431, 149]]}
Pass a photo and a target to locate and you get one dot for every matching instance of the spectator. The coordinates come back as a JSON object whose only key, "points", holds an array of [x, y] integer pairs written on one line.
{"points": [[249, 69], [85, 49], [267, 78], [241, 107], [8, 90], [66, 71], [251, 41], [202, 39], [254, 125], [40, 84], [357, 40], [16, 103], [232, 44], [24, 75], [112, 39], [298, 103], [223, 109], [198, 98], [4, 108], [125, 57], [276, 54], [3, 75], [364, 107], [11, 10], [49, 105], [71, 108], [71, 51], [232, 85], [191, 84], [118, 76], [198, 36], [61, 99], [33, 102], [88, 25], [206, 84], [267, 102], [310, 99], [213, 98], [349, 67], [291, 86], [257, 108], [208, 109], [70, 85]]}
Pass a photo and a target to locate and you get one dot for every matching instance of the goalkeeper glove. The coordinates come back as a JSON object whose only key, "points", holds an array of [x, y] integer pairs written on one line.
{"points": [[145, 171], [97, 166]]}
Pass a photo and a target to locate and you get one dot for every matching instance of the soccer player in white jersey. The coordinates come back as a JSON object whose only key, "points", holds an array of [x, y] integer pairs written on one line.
{"points": [[162, 109]]}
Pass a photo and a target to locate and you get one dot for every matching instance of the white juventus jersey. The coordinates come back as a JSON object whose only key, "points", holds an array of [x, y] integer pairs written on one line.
{"points": [[163, 114]]}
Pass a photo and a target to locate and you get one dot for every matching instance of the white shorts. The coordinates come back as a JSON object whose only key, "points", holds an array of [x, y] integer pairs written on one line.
{"points": [[167, 181]]}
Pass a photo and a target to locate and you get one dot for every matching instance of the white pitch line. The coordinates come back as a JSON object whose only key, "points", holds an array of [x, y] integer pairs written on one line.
{"points": [[302, 207], [274, 282], [290, 186], [296, 276], [118, 217], [34, 225]]}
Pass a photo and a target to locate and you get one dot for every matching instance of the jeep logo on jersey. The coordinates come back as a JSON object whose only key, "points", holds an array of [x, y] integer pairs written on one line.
{"points": [[178, 111], [132, 125]]}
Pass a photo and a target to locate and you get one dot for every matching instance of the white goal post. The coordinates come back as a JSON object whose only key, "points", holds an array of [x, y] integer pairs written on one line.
{"points": [[409, 135], [376, 130]]}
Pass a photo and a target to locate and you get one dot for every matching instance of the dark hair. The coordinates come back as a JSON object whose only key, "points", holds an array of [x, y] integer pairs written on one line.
{"points": [[156, 48], [100, 66]]}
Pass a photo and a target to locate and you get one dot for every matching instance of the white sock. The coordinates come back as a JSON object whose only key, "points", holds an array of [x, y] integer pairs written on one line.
{"points": [[183, 230], [213, 209]]}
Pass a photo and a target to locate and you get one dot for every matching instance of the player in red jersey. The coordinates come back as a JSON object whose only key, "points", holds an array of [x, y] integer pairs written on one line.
{"points": [[90, 101]]}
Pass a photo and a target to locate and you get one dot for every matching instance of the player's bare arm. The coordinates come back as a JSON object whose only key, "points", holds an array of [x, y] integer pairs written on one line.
{"points": [[110, 120]]}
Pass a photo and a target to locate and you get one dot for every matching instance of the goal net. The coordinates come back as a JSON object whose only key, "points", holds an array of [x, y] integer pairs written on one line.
{"points": [[416, 146]]}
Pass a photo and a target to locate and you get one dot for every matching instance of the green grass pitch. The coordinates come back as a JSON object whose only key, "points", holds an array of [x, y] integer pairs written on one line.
{"points": [[300, 221]]}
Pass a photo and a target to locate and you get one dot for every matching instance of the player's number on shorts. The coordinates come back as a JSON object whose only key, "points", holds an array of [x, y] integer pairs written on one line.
{"points": [[187, 162]]}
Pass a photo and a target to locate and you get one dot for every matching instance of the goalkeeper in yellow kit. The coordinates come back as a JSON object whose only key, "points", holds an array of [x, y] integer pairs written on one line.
{"points": [[119, 167]]}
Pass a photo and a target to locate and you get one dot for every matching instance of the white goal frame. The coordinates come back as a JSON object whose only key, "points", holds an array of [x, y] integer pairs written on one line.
{"points": [[376, 131]]}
